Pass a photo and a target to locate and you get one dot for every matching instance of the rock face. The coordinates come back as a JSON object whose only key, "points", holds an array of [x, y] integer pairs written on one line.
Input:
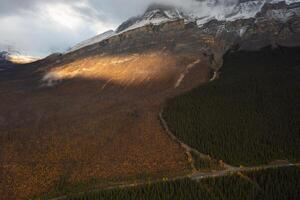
{"points": [[275, 24], [155, 14], [93, 40], [248, 25]]}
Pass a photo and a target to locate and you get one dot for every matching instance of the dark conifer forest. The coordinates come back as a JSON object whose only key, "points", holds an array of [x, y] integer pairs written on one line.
{"points": [[272, 184], [250, 115]]}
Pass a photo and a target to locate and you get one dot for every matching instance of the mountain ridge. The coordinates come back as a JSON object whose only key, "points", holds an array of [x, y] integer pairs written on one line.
{"points": [[157, 14]]}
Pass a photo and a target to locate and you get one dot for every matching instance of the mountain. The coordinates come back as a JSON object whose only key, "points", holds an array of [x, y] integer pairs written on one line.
{"points": [[10, 59], [90, 115], [157, 14], [16, 57], [248, 25], [93, 40]]}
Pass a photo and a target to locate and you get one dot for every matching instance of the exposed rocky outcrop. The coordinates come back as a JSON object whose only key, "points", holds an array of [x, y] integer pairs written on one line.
{"points": [[276, 24], [155, 14]]}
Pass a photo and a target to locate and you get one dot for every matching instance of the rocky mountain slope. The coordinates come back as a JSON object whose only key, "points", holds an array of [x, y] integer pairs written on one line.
{"points": [[91, 113], [169, 29], [268, 20]]}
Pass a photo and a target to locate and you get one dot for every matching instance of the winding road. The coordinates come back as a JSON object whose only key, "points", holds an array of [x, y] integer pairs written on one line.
{"points": [[195, 175]]}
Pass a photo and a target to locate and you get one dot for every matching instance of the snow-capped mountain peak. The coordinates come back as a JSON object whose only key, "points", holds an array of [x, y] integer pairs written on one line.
{"points": [[155, 14]]}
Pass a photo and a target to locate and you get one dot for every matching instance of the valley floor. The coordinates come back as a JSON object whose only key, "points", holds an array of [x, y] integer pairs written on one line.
{"points": [[64, 140], [100, 128]]}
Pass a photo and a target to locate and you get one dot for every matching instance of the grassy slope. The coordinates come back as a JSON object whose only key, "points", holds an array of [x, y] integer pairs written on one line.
{"points": [[268, 184], [250, 116]]}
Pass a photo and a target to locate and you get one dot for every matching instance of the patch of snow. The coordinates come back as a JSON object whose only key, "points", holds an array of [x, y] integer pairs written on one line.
{"points": [[142, 23], [247, 10], [242, 31], [280, 15], [215, 76], [186, 71], [231, 12], [93, 40], [156, 17], [288, 2], [201, 21], [284, 14], [244, 10], [214, 10]]}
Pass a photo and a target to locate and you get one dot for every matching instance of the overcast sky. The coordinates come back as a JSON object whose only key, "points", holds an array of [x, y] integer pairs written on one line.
{"points": [[40, 27]]}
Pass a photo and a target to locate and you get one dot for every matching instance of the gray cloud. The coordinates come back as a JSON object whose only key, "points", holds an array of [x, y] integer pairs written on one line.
{"points": [[40, 27]]}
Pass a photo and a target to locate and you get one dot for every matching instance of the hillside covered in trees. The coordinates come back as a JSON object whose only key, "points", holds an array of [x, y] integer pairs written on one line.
{"points": [[250, 115], [272, 184]]}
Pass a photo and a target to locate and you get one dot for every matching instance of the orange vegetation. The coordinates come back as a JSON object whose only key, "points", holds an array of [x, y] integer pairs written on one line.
{"points": [[99, 122]]}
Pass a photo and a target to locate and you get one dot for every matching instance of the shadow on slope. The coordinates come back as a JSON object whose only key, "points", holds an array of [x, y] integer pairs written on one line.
{"points": [[250, 115]]}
